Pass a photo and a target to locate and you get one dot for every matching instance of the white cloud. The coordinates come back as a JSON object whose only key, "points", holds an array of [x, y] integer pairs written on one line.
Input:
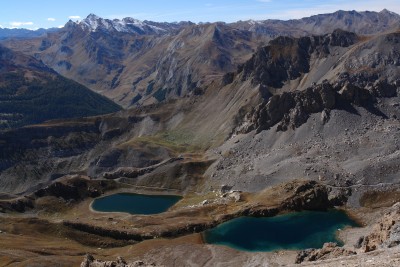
{"points": [[19, 23], [51, 19], [61, 26], [74, 17], [1, 26]]}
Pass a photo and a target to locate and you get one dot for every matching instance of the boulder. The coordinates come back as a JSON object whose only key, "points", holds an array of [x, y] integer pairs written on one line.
{"points": [[89, 261], [325, 116], [384, 89], [355, 95]]}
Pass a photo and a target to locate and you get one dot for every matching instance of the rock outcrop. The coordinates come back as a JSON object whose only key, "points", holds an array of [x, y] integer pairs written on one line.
{"points": [[385, 234], [292, 109], [287, 58], [328, 251], [89, 261], [75, 188], [308, 196], [317, 74], [21, 204], [67, 189]]}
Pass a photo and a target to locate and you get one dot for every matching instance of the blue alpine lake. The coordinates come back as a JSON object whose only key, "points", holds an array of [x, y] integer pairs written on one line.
{"points": [[300, 230], [135, 203]]}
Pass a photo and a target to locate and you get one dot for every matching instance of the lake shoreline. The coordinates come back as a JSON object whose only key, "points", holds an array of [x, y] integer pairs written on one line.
{"points": [[266, 234], [134, 204]]}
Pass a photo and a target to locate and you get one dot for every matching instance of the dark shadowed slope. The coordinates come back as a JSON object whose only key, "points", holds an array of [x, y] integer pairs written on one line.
{"points": [[30, 92]]}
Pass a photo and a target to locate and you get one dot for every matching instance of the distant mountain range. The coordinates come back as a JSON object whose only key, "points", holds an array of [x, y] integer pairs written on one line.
{"points": [[358, 22], [142, 62], [24, 33]]}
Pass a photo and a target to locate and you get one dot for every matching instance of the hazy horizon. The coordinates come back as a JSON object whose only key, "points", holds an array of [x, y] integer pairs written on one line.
{"points": [[32, 15]]}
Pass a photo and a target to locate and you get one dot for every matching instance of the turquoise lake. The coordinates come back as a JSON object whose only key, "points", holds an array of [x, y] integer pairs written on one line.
{"points": [[135, 203], [293, 231]]}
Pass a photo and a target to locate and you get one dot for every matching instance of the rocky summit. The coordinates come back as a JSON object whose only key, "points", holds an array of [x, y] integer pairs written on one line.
{"points": [[252, 118]]}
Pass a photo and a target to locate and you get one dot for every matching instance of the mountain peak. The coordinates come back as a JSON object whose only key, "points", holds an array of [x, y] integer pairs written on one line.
{"points": [[388, 12], [92, 16], [94, 23]]}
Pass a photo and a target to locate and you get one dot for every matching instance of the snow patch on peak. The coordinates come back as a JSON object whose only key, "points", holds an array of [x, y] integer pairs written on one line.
{"points": [[132, 21], [95, 23], [92, 16], [92, 22]]}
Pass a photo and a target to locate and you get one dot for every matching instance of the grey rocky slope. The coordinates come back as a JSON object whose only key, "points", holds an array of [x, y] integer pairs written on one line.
{"points": [[341, 131], [142, 62]]}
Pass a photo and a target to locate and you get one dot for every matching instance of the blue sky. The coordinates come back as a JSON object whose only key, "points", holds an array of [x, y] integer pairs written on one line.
{"points": [[33, 14]]}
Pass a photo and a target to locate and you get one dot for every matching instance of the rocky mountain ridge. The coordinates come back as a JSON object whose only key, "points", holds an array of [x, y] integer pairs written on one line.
{"points": [[300, 76], [133, 62], [95, 23], [366, 22], [6, 33], [359, 22]]}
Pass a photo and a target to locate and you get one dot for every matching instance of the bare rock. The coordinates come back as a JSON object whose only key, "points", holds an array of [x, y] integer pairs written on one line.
{"points": [[308, 196], [356, 95], [342, 38], [328, 251], [228, 78], [292, 109], [225, 188], [338, 197], [89, 261], [325, 116], [234, 195], [394, 237], [385, 233], [384, 89]]}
